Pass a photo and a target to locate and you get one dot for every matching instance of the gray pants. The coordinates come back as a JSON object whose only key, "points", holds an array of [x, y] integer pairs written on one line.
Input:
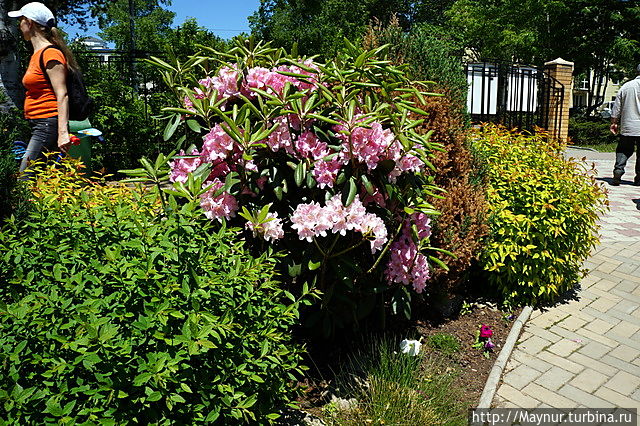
{"points": [[625, 150], [44, 138]]}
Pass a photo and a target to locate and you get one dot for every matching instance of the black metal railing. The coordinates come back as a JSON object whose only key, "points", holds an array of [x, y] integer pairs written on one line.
{"points": [[514, 95]]}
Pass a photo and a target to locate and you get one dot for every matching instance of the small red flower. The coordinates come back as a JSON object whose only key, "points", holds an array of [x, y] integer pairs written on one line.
{"points": [[485, 331]]}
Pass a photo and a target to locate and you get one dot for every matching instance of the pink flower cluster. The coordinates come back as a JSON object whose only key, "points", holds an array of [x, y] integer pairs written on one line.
{"points": [[222, 206], [269, 230], [374, 144], [181, 167], [311, 220], [406, 264]]}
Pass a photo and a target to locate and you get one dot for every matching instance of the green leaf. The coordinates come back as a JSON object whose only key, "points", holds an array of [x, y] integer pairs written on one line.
{"points": [[351, 190], [367, 184], [300, 173], [155, 396], [194, 125], [313, 265], [171, 127]]}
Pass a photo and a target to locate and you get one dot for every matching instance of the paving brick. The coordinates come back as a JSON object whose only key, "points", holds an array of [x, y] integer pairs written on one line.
{"points": [[615, 398], [543, 333], [555, 378], [599, 326], [546, 396], [572, 323], [583, 398], [624, 329], [510, 394], [549, 318], [589, 380], [623, 383], [630, 368], [590, 336], [602, 305], [521, 376], [531, 361], [564, 347], [626, 306], [560, 362], [534, 344], [625, 353], [594, 350], [593, 364]]}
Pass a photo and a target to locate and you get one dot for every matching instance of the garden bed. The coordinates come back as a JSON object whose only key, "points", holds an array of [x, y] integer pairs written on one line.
{"points": [[471, 367]]}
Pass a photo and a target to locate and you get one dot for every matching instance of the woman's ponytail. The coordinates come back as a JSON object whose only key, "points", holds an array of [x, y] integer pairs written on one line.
{"points": [[55, 37]]}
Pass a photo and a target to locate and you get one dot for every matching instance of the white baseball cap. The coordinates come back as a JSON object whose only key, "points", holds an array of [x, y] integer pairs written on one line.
{"points": [[37, 12]]}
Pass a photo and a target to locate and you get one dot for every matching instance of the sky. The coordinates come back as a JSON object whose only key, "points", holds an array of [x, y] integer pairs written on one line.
{"points": [[223, 17]]}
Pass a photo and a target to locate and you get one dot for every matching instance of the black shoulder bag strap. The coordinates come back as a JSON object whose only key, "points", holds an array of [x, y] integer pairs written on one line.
{"points": [[42, 68]]}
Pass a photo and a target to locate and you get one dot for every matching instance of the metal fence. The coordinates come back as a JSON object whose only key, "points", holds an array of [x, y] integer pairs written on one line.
{"points": [[516, 96]]}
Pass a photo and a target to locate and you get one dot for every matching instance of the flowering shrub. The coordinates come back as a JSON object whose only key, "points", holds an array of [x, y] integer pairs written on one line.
{"points": [[317, 159], [543, 210]]}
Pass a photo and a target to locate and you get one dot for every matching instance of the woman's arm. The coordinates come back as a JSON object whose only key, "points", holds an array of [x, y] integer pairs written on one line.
{"points": [[58, 75]]}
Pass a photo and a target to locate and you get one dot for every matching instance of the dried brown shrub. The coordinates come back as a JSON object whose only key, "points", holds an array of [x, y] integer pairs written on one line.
{"points": [[461, 226]]}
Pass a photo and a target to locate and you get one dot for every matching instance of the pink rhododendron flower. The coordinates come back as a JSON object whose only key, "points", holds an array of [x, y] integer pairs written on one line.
{"points": [[406, 264], [222, 206], [326, 172], [281, 137], [312, 220], [270, 230], [309, 146], [217, 144], [256, 79], [485, 331], [181, 167], [226, 82]]}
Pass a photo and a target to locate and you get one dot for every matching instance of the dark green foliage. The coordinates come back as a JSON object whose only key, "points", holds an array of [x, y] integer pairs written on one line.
{"points": [[590, 131], [113, 313]]}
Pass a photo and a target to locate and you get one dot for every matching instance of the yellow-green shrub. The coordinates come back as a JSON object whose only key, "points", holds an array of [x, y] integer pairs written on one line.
{"points": [[542, 215]]}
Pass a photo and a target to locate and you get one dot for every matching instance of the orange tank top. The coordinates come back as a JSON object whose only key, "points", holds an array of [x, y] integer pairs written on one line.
{"points": [[41, 101]]}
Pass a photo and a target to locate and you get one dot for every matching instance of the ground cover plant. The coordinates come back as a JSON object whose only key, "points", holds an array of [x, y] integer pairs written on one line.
{"points": [[321, 160], [542, 215], [380, 384], [119, 306]]}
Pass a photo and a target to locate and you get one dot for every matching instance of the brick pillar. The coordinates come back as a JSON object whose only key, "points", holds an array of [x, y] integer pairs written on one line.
{"points": [[562, 71]]}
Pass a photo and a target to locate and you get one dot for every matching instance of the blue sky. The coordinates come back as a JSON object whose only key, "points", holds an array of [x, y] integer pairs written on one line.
{"points": [[225, 18]]}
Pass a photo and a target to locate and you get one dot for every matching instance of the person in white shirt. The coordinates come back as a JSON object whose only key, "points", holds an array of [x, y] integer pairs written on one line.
{"points": [[625, 120]]}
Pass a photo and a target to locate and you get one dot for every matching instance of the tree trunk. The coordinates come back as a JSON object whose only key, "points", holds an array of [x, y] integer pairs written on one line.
{"points": [[11, 90]]}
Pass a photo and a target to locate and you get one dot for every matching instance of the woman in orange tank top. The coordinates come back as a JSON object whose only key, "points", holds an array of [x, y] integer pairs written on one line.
{"points": [[46, 104]]}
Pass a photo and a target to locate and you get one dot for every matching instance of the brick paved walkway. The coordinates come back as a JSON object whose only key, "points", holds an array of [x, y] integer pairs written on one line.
{"points": [[586, 352]]}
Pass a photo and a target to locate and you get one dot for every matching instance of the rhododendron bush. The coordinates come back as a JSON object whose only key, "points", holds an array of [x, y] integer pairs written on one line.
{"points": [[320, 160]]}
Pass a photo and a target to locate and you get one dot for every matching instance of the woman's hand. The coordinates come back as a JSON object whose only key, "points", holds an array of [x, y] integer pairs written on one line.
{"points": [[64, 141]]}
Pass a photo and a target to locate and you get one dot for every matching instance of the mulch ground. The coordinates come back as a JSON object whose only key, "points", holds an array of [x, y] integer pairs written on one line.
{"points": [[474, 367]]}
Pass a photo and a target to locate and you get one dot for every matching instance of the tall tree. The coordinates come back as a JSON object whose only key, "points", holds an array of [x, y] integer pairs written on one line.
{"points": [[151, 24], [318, 26]]}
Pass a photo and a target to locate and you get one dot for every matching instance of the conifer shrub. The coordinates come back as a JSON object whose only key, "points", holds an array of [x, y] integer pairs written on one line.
{"points": [[119, 307], [542, 215]]}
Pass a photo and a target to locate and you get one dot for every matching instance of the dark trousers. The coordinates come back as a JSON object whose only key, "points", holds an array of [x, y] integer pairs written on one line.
{"points": [[625, 150], [44, 138]]}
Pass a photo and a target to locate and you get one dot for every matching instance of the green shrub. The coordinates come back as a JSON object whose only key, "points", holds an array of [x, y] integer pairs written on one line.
{"points": [[585, 132], [113, 310], [13, 197], [542, 215]]}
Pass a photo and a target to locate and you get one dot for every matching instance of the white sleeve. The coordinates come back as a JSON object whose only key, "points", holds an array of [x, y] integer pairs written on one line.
{"points": [[617, 104]]}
